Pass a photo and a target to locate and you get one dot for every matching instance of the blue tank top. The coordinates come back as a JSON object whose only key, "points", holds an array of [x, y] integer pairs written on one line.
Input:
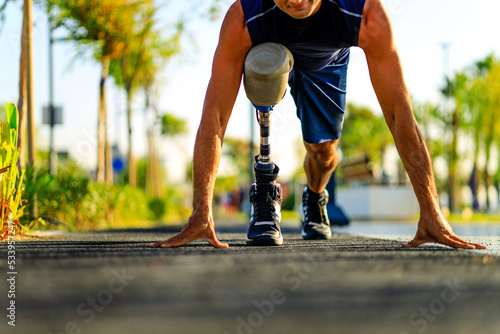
{"points": [[315, 42]]}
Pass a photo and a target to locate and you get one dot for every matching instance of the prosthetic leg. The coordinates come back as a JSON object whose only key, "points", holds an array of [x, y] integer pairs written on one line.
{"points": [[265, 170], [266, 76]]}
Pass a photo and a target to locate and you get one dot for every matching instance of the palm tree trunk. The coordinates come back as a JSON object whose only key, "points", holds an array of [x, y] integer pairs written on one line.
{"points": [[30, 95], [154, 185], [489, 139], [23, 90], [486, 180], [101, 121], [109, 153], [150, 191], [486, 175]]}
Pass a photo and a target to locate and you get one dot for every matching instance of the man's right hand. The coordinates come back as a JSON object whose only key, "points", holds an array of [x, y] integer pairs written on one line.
{"points": [[199, 227]]}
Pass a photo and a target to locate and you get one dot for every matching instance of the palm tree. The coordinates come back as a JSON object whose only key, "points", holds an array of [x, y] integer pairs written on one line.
{"points": [[108, 26], [147, 54], [455, 88], [491, 110], [483, 105], [429, 119], [161, 51]]}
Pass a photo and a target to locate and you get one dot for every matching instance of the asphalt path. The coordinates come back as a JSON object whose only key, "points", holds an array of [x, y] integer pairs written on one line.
{"points": [[111, 282]]}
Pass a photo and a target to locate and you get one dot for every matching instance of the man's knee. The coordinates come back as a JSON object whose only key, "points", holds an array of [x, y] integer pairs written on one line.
{"points": [[323, 153]]}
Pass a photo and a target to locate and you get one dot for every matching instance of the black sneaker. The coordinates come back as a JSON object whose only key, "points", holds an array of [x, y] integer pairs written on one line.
{"points": [[264, 229], [315, 222]]}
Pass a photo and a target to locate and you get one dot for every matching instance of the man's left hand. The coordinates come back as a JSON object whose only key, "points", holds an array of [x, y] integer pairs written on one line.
{"points": [[437, 230]]}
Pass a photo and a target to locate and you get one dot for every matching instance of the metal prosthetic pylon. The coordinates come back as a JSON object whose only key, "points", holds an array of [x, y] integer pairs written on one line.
{"points": [[266, 171]]}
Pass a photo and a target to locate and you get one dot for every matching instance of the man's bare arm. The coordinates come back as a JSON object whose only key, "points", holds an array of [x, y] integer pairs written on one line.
{"points": [[227, 70], [376, 39]]}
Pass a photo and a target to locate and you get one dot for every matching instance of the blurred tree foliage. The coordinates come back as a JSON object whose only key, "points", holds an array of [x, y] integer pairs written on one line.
{"points": [[465, 126], [429, 118], [481, 113], [3, 5], [138, 67], [238, 152], [364, 132], [109, 27], [3, 120], [235, 153], [455, 88], [72, 201], [172, 125]]}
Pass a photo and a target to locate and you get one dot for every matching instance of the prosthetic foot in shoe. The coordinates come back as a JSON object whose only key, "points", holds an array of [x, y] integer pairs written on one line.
{"points": [[264, 228]]}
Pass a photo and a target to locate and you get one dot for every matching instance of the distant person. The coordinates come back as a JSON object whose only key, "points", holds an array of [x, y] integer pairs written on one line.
{"points": [[319, 34]]}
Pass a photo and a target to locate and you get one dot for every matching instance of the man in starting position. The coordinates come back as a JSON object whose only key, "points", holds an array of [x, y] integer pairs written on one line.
{"points": [[318, 33]]}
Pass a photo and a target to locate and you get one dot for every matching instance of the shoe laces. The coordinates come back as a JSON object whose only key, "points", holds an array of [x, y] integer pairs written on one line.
{"points": [[264, 198], [314, 206]]}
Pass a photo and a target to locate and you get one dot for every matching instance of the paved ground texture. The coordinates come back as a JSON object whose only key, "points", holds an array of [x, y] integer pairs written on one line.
{"points": [[111, 282]]}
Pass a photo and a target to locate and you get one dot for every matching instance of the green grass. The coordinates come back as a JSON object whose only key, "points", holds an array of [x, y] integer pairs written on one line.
{"points": [[476, 218], [291, 215]]}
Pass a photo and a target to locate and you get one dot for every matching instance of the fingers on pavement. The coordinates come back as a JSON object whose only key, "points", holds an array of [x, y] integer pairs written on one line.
{"points": [[452, 241]]}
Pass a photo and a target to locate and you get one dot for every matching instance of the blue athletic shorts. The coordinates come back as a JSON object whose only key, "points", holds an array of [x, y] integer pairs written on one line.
{"points": [[320, 99]]}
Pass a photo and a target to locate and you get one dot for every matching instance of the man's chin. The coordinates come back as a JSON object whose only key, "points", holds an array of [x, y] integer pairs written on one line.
{"points": [[299, 15]]}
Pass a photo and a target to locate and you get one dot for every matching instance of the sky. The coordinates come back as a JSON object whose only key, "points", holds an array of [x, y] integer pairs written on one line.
{"points": [[420, 28]]}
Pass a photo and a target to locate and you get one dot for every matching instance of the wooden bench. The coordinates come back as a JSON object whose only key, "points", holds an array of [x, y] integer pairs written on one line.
{"points": [[356, 168]]}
